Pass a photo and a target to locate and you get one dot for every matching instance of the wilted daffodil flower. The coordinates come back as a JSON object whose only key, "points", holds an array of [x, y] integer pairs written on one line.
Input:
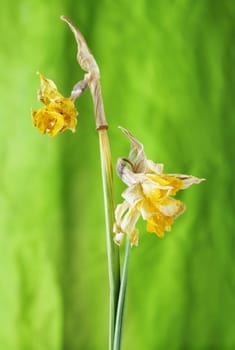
{"points": [[58, 114], [149, 194]]}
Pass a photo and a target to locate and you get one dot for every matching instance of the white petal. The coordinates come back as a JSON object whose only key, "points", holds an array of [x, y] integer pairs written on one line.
{"points": [[133, 194], [118, 238], [188, 180], [120, 210], [125, 220], [174, 208], [129, 221], [156, 168], [150, 186], [128, 176]]}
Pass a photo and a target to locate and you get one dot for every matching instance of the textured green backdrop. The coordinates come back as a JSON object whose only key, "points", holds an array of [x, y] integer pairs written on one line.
{"points": [[168, 74]]}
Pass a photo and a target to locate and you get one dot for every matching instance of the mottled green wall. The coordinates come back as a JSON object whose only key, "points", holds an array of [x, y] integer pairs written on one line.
{"points": [[168, 76]]}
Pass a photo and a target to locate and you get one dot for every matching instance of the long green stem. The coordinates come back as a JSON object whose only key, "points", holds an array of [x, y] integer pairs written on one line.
{"points": [[107, 178], [112, 249], [122, 298], [92, 79]]}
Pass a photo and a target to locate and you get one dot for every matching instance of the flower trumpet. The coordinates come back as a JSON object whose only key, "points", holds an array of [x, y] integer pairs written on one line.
{"points": [[58, 114]]}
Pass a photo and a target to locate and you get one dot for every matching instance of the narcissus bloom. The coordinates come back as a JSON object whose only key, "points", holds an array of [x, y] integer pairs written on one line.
{"points": [[58, 114], [150, 194]]}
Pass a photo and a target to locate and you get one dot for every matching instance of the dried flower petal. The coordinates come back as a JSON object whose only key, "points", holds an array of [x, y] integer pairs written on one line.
{"points": [[58, 114], [149, 194]]}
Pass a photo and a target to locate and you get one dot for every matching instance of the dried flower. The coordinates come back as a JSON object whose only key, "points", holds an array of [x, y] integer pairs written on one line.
{"points": [[58, 114], [149, 193]]}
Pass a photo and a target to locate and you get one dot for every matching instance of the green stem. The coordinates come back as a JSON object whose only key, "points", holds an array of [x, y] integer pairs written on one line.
{"points": [[112, 248], [92, 79], [122, 298]]}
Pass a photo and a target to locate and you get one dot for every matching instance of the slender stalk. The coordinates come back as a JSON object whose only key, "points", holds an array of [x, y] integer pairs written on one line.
{"points": [[92, 79], [122, 298], [107, 179], [112, 249]]}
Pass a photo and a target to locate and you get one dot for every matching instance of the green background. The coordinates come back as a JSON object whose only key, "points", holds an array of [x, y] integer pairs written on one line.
{"points": [[168, 74]]}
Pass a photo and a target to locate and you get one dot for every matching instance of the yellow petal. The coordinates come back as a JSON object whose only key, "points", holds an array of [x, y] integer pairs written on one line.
{"points": [[56, 117], [48, 92], [48, 121], [171, 182], [159, 223], [58, 114]]}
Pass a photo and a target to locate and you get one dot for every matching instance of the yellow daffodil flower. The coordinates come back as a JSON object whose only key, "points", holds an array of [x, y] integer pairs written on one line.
{"points": [[58, 114], [149, 194]]}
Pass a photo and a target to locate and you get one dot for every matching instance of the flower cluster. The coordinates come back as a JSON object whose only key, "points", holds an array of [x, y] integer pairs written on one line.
{"points": [[58, 114], [150, 194]]}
